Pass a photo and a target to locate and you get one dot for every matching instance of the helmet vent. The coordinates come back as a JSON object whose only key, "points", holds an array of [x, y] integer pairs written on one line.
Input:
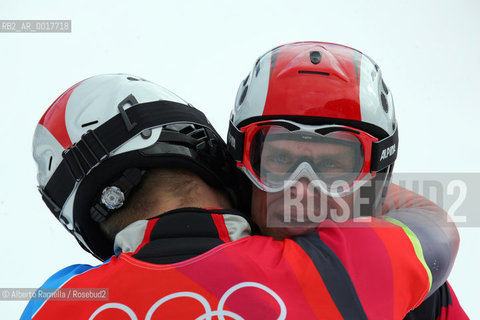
{"points": [[257, 70], [384, 102], [50, 163], [246, 80], [89, 123], [244, 94], [314, 72], [315, 57], [384, 86]]}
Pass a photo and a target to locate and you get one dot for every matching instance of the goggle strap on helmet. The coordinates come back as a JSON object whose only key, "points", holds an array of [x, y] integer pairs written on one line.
{"points": [[235, 142], [96, 145], [384, 152]]}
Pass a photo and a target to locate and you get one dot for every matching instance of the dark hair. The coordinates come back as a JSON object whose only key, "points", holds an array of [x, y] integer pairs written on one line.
{"points": [[145, 202]]}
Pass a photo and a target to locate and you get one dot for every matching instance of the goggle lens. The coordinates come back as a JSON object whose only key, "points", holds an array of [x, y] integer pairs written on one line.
{"points": [[278, 155]]}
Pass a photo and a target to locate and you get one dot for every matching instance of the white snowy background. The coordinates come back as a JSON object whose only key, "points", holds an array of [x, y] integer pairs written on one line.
{"points": [[429, 52]]}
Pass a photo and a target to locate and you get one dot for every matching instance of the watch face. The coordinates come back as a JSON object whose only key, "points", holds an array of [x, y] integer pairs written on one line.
{"points": [[112, 197]]}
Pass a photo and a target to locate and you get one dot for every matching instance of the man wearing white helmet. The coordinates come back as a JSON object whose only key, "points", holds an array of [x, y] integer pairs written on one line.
{"points": [[314, 130], [121, 157]]}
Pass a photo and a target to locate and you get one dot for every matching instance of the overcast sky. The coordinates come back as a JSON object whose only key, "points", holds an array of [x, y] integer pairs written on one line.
{"points": [[428, 52]]}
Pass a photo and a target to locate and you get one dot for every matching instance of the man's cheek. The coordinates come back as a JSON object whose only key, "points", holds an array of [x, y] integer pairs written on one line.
{"points": [[273, 211]]}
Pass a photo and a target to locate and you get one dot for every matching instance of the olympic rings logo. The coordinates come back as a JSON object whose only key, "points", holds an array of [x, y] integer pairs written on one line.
{"points": [[220, 313]]}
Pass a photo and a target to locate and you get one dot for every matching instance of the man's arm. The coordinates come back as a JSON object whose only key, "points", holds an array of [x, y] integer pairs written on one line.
{"points": [[53, 283], [390, 262], [436, 232], [442, 304], [373, 267]]}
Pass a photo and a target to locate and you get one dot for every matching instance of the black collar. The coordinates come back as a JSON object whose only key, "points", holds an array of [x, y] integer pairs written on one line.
{"points": [[182, 234]]}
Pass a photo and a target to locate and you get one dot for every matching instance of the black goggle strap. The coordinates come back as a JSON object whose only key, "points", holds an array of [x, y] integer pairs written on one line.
{"points": [[384, 152], [96, 145], [235, 142]]}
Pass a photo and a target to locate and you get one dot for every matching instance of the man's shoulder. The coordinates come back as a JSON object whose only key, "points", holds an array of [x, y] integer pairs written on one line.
{"points": [[53, 283]]}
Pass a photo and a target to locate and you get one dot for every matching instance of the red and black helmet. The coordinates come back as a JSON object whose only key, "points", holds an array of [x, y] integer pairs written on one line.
{"points": [[316, 92]]}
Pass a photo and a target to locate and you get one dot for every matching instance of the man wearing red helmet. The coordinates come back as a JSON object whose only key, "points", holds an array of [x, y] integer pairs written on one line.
{"points": [[314, 130], [120, 156]]}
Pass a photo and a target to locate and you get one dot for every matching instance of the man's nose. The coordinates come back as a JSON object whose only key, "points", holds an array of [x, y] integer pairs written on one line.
{"points": [[304, 189]]}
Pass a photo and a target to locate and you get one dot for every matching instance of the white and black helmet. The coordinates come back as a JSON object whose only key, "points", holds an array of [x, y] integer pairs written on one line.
{"points": [[97, 139]]}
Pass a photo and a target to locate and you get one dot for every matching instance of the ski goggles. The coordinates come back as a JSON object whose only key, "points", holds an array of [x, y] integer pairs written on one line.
{"points": [[337, 159]]}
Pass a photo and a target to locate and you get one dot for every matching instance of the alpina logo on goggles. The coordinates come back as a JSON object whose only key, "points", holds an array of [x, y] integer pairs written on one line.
{"points": [[338, 159]]}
